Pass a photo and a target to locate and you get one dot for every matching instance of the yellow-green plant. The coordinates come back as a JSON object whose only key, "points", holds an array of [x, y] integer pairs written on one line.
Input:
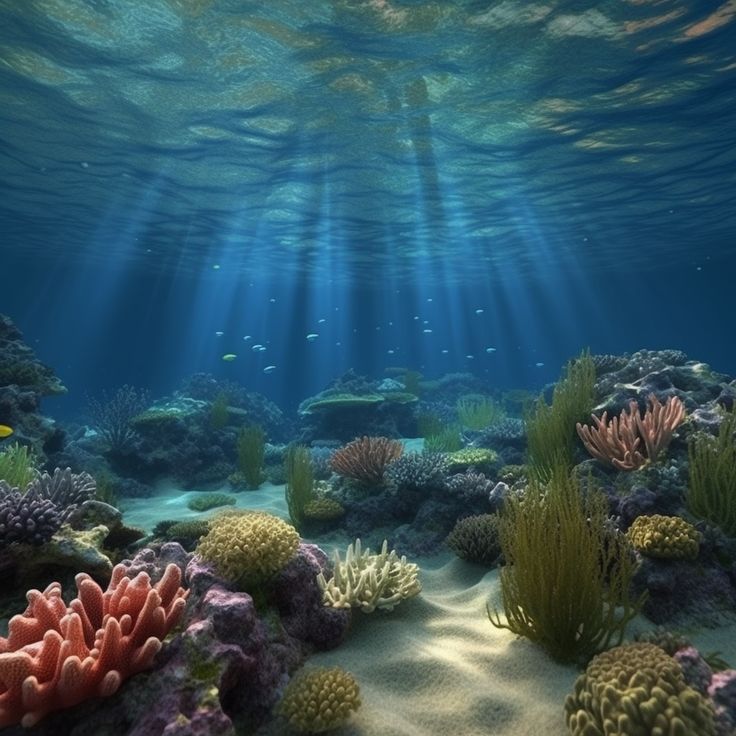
{"points": [[447, 440], [428, 424], [251, 451], [476, 411], [17, 465], [712, 486], [299, 483], [550, 428], [566, 579], [219, 414]]}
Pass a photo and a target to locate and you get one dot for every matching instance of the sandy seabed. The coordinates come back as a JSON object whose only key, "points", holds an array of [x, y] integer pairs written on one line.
{"points": [[435, 665]]}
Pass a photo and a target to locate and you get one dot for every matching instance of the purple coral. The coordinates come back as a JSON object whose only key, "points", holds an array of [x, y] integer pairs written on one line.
{"points": [[26, 518]]}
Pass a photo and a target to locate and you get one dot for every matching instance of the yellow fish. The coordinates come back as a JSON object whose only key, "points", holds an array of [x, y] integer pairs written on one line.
{"points": [[229, 356], [5, 431]]}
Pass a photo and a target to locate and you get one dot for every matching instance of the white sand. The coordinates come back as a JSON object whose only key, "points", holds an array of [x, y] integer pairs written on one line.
{"points": [[435, 665]]}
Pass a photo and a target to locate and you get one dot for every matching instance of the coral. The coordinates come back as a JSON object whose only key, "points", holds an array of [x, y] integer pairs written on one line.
{"points": [[320, 700], [669, 537], [248, 547], [66, 489], [722, 690], [617, 443], [340, 401], [475, 539], [471, 457], [470, 486], [636, 690], [476, 411], [369, 581], [17, 465], [26, 519], [207, 501], [365, 459], [56, 656], [187, 533], [417, 471], [323, 509], [299, 489]]}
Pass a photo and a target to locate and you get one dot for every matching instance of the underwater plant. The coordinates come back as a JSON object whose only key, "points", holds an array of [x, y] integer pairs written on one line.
{"points": [[551, 427], [299, 488], [320, 700], [476, 411], [251, 451], [446, 440], [111, 415], [567, 574], [476, 539], [712, 486], [219, 415], [17, 465]]}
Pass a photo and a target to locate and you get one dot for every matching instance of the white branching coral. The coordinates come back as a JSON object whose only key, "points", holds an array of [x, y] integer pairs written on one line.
{"points": [[369, 581]]}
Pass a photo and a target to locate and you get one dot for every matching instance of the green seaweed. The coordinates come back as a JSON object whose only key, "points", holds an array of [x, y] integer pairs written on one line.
{"points": [[207, 501], [17, 466], [251, 452], [299, 483]]}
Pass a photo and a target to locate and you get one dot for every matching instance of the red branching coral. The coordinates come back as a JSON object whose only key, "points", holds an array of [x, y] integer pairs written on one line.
{"points": [[57, 656], [365, 459]]}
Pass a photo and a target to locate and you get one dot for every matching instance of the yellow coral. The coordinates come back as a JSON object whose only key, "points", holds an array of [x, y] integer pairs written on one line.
{"points": [[636, 690], [323, 509], [320, 700], [669, 537], [248, 547]]}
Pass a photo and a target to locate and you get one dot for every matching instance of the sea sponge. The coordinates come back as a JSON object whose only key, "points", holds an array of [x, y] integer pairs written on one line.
{"points": [[636, 690], [669, 537], [476, 539], [320, 700], [248, 547]]}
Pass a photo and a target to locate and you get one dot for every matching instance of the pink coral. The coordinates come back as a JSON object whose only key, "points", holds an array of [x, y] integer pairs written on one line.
{"points": [[57, 656]]}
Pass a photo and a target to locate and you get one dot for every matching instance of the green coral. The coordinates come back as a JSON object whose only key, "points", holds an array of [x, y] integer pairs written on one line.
{"points": [[248, 547], [668, 537], [471, 456], [187, 533], [320, 700], [567, 577], [343, 401], [476, 539], [636, 690], [207, 501]]}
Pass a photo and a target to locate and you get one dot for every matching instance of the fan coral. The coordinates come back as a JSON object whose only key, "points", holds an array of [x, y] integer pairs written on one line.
{"points": [[248, 547], [636, 690], [369, 581], [365, 459], [669, 537], [320, 700], [57, 656]]}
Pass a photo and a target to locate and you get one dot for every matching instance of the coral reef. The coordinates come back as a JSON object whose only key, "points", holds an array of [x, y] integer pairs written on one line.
{"points": [[320, 700], [207, 501], [365, 460], [476, 539], [668, 537], [636, 690]]}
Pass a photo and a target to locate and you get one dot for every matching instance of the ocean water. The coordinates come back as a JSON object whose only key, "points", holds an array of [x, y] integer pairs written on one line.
{"points": [[176, 169]]}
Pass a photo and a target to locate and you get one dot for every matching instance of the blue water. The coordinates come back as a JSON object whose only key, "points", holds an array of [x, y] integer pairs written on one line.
{"points": [[170, 170]]}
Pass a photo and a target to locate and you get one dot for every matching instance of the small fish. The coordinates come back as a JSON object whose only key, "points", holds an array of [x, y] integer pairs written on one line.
{"points": [[261, 348], [312, 336], [219, 333], [322, 320], [247, 337], [390, 352], [479, 311], [216, 267], [229, 357], [256, 348], [5, 431], [427, 331], [429, 298], [272, 300], [444, 352], [269, 369], [490, 350], [539, 365], [470, 357]]}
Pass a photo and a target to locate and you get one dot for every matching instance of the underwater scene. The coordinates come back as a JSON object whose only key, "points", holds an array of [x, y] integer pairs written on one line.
{"points": [[367, 367]]}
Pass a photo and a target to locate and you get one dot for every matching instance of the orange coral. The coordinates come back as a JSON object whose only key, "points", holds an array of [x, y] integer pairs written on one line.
{"points": [[57, 656], [617, 442]]}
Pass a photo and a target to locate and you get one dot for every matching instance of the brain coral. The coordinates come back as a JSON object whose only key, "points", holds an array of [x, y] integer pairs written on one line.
{"points": [[320, 700], [636, 690], [248, 547], [664, 536]]}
